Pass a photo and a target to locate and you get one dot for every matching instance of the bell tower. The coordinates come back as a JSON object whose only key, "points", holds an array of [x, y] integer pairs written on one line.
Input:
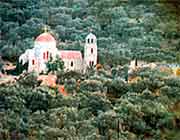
{"points": [[90, 51]]}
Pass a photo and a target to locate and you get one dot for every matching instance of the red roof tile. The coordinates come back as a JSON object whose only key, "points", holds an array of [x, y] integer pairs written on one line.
{"points": [[70, 54]]}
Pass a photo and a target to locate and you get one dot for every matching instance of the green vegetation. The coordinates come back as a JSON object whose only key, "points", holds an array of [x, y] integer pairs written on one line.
{"points": [[55, 65], [125, 29], [99, 108]]}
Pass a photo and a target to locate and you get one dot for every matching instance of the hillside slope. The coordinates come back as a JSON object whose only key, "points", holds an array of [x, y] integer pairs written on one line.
{"points": [[125, 29]]}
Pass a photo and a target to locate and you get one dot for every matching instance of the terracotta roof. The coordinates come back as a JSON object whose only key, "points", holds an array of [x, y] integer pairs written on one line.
{"points": [[45, 37], [70, 54]]}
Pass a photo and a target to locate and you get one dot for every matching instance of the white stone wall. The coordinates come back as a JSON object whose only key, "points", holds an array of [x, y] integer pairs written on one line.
{"points": [[41, 49], [89, 55], [44, 47], [77, 65], [31, 57]]}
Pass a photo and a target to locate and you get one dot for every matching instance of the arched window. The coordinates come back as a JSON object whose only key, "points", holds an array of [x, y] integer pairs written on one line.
{"points": [[33, 62], [91, 63], [72, 64], [92, 40], [88, 40], [44, 55], [47, 55], [91, 50]]}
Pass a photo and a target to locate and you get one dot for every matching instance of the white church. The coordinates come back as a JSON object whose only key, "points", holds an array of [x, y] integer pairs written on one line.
{"points": [[45, 48]]}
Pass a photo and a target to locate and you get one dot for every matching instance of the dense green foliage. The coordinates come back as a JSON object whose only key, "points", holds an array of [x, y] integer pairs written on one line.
{"points": [[125, 29], [148, 109], [55, 65]]}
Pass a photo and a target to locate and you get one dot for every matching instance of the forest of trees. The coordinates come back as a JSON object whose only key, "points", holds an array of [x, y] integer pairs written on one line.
{"points": [[100, 105], [126, 29]]}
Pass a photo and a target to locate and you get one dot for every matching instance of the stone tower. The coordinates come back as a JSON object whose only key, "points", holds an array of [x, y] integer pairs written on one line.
{"points": [[90, 51]]}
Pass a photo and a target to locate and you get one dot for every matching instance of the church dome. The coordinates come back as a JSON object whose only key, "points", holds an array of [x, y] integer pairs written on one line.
{"points": [[45, 38]]}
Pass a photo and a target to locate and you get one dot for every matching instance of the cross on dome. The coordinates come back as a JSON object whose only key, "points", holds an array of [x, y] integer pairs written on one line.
{"points": [[45, 37], [45, 29]]}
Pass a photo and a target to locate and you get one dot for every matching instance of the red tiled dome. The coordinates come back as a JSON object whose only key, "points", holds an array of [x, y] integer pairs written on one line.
{"points": [[45, 37]]}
